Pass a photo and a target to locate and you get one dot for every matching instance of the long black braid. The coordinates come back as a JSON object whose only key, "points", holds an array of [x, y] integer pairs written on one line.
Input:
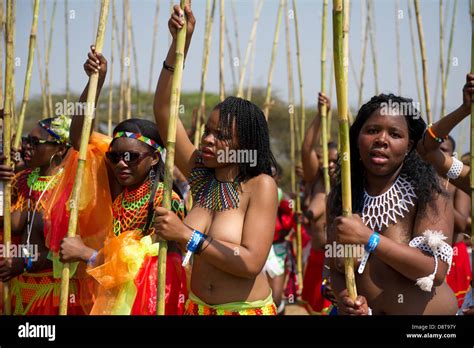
{"points": [[252, 134], [421, 174]]}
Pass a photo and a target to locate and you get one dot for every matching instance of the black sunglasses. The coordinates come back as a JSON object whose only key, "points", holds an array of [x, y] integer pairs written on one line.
{"points": [[35, 141], [129, 157]]}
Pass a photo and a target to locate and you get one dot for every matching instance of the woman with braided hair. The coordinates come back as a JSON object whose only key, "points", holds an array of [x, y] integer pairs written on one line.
{"points": [[231, 225], [125, 266], [400, 214]]}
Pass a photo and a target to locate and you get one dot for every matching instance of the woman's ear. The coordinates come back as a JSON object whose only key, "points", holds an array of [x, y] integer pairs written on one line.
{"points": [[156, 159], [62, 150]]}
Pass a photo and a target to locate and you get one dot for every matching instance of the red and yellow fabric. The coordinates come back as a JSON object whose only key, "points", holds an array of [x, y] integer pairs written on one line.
{"points": [[128, 275], [459, 277], [91, 226], [314, 301], [195, 306]]}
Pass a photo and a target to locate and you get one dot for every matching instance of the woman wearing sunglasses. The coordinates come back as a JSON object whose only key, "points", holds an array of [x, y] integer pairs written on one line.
{"points": [[126, 266], [34, 288]]}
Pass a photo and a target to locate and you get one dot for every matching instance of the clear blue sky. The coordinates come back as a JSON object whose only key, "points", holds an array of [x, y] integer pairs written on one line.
{"points": [[309, 16]]}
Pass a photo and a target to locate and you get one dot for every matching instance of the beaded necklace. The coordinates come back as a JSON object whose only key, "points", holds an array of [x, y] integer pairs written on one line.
{"points": [[38, 184], [212, 194], [381, 210], [130, 208]]}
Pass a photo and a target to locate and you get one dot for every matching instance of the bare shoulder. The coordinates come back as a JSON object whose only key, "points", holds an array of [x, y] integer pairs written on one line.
{"points": [[262, 183]]}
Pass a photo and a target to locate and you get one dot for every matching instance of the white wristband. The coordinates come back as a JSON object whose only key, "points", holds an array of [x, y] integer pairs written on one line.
{"points": [[455, 170]]}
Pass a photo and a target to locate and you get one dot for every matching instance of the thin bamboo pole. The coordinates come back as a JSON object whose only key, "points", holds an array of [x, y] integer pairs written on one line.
{"points": [[250, 46], [231, 57], [451, 39], [424, 62], [7, 116], [340, 61], [129, 66], [42, 82], [371, 24], [331, 90], [300, 72], [397, 40], [472, 116], [66, 39], [266, 106], [170, 149], [2, 43], [205, 64], [86, 129], [413, 47], [236, 32], [46, 61], [364, 52], [252, 66], [221, 51], [324, 126], [111, 77], [153, 44], [122, 64], [135, 65], [252, 61], [13, 100], [29, 68], [293, 151], [441, 59]]}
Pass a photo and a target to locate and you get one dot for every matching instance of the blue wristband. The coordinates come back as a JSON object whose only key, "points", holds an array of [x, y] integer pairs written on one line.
{"points": [[373, 242], [195, 241]]}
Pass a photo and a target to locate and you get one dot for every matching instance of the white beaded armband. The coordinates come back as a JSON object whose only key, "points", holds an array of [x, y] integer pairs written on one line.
{"points": [[455, 170], [432, 242]]}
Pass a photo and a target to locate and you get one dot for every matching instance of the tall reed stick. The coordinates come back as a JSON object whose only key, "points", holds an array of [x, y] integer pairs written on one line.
{"points": [[424, 61], [250, 46], [340, 62], [170, 150], [7, 131], [29, 68], [205, 63], [153, 45], [86, 129], [413, 48], [268, 96], [111, 77], [221, 50]]}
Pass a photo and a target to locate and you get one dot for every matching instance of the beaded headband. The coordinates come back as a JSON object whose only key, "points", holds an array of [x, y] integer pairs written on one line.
{"points": [[139, 137]]}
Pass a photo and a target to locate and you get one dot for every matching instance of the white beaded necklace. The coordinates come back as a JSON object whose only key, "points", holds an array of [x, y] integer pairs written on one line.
{"points": [[379, 211]]}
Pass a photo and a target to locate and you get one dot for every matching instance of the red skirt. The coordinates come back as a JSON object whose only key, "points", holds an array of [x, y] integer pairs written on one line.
{"points": [[176, 292], [312, 281], [459, 277]]}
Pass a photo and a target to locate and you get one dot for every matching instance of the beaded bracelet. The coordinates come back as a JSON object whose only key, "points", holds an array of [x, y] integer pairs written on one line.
{"points": [[91, 260], [455, 169], [431, 133], [168, 67]]}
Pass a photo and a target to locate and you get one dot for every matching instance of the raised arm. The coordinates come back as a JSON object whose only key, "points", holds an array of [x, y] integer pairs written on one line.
{"points": [[95, 62], [186, 153], [309, 155]]}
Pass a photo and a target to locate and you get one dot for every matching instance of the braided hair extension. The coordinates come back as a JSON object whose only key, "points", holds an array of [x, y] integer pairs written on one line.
{"points": [[252, 134], [422, 174]]}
